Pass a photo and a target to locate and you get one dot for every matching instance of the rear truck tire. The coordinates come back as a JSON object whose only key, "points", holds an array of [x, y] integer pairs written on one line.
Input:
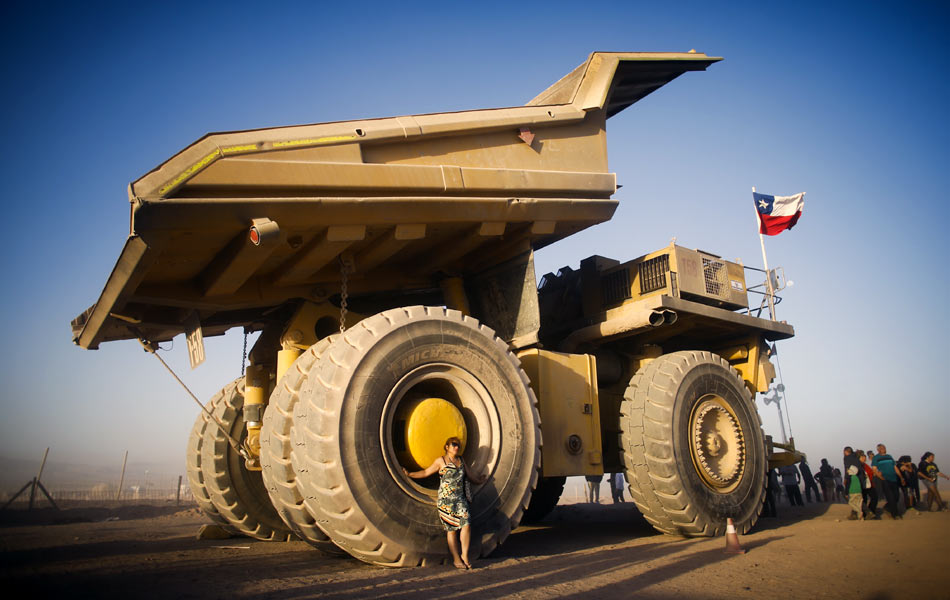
{"points": [[348, 438], [238, 495], [196, 476], [692, 445], [544, 498], [280, 479]]}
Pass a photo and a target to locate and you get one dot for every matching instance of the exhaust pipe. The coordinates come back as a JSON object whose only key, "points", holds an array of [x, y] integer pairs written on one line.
{"points": [[633, 320]]}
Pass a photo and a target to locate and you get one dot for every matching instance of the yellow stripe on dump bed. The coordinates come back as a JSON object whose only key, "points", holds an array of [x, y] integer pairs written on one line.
{"points": [[218, 153], [236, 149], [190, 171], [313, 141]]}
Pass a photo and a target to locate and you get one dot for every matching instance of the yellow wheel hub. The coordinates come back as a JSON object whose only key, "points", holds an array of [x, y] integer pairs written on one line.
{"points": [[718, 446], [429, 422]]}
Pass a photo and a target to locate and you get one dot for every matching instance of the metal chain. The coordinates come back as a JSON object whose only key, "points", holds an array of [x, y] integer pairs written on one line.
{"points": [[244, 353], [344, 271]]}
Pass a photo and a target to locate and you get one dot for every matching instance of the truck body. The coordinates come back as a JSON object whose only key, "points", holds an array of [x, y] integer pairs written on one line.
{"points": [[388, 264]]}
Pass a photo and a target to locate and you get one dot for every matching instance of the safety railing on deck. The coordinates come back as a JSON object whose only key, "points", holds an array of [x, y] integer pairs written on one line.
{"points": [[761, 290]]}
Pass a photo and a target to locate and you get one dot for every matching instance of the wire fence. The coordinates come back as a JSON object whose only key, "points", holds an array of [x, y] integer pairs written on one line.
{"points": [[129, 495], [132, 492]]}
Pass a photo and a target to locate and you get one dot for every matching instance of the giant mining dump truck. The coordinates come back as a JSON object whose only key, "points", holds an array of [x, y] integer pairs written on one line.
{"points": [[388, 266]]}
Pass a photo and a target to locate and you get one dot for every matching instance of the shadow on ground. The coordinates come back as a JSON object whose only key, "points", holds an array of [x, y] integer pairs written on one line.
{"points": [[788, 515], [574, 543], [83, 513]]}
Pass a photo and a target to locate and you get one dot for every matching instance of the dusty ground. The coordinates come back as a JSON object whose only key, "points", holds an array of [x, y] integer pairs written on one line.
{"points": [[810, 552]]}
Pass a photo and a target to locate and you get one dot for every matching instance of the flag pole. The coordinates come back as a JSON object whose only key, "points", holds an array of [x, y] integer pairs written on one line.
{"points": [[765, 261]]}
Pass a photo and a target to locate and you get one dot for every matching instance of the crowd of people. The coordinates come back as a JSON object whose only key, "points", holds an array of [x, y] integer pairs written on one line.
{"points": [[866, 478]]}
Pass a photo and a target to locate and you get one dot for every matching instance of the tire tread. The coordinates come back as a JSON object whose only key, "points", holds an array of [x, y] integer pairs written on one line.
{"points": [[646, 447]]}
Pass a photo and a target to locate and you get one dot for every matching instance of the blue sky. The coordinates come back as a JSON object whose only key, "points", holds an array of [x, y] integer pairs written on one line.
{"points": [[845, 102]]}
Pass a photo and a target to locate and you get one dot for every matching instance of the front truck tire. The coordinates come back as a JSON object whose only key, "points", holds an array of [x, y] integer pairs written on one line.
{"points": [[224, 488], [346, 434], [693, 445]]}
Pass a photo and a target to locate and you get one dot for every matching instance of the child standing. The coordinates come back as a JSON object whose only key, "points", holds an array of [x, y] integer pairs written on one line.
{"points": [[855, 497]]}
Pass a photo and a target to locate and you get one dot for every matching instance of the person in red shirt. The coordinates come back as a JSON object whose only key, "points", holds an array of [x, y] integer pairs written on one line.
{"points": [[868, 491]]}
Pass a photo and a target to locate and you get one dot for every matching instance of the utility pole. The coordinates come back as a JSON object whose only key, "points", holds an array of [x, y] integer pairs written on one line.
{"points": [[122, 477]]}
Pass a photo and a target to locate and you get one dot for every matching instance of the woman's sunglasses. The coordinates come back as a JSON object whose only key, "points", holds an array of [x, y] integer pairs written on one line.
{"points": [[454, 444]]}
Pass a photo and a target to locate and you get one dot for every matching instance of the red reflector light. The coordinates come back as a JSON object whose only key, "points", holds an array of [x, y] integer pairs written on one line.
{"points": [[255, 236]]}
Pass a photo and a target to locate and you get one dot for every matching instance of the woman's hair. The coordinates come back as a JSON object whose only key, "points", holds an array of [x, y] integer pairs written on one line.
{"points": [[453, 439], [926, 456], [861, 453]]}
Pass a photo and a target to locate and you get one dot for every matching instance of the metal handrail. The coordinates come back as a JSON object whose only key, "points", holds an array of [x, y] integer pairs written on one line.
{"points": [[776, 299]]}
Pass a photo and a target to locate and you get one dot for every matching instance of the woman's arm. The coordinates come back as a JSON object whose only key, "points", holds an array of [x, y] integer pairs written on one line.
{"points": [[433, 468]]}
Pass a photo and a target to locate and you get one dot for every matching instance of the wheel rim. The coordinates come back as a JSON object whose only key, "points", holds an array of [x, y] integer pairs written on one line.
{"points": [[466, 393], [717, 443]]}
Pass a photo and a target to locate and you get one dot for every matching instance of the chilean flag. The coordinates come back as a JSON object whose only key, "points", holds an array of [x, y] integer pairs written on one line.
{"points": [[778, 213]]}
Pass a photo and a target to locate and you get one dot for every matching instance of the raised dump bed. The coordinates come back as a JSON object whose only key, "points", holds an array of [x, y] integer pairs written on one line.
{"points": [[239, 223]]}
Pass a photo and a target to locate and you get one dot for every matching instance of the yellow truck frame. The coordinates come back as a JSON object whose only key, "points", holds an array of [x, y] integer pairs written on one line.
{"points": [[388, 265]]}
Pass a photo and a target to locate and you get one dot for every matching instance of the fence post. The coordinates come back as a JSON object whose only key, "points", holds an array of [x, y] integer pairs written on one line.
{"points": [[37, 479], [178, 492], [122, 478]]}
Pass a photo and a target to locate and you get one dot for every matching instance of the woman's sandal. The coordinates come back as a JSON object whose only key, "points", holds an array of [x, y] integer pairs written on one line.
{"points": [[462, 566]]}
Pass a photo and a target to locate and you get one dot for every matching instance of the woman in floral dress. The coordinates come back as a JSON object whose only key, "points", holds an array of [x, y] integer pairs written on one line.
{"points": [[452, 502]]}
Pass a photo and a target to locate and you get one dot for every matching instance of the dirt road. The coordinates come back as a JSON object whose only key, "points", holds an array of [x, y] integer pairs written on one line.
{"points": [[608, 550]]}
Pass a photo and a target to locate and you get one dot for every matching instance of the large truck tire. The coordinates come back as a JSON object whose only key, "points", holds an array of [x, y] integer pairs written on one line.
{"points": [[194, 469], [277, 470], [544, 498], [237, 494], [693, 446], [346, 434]]}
